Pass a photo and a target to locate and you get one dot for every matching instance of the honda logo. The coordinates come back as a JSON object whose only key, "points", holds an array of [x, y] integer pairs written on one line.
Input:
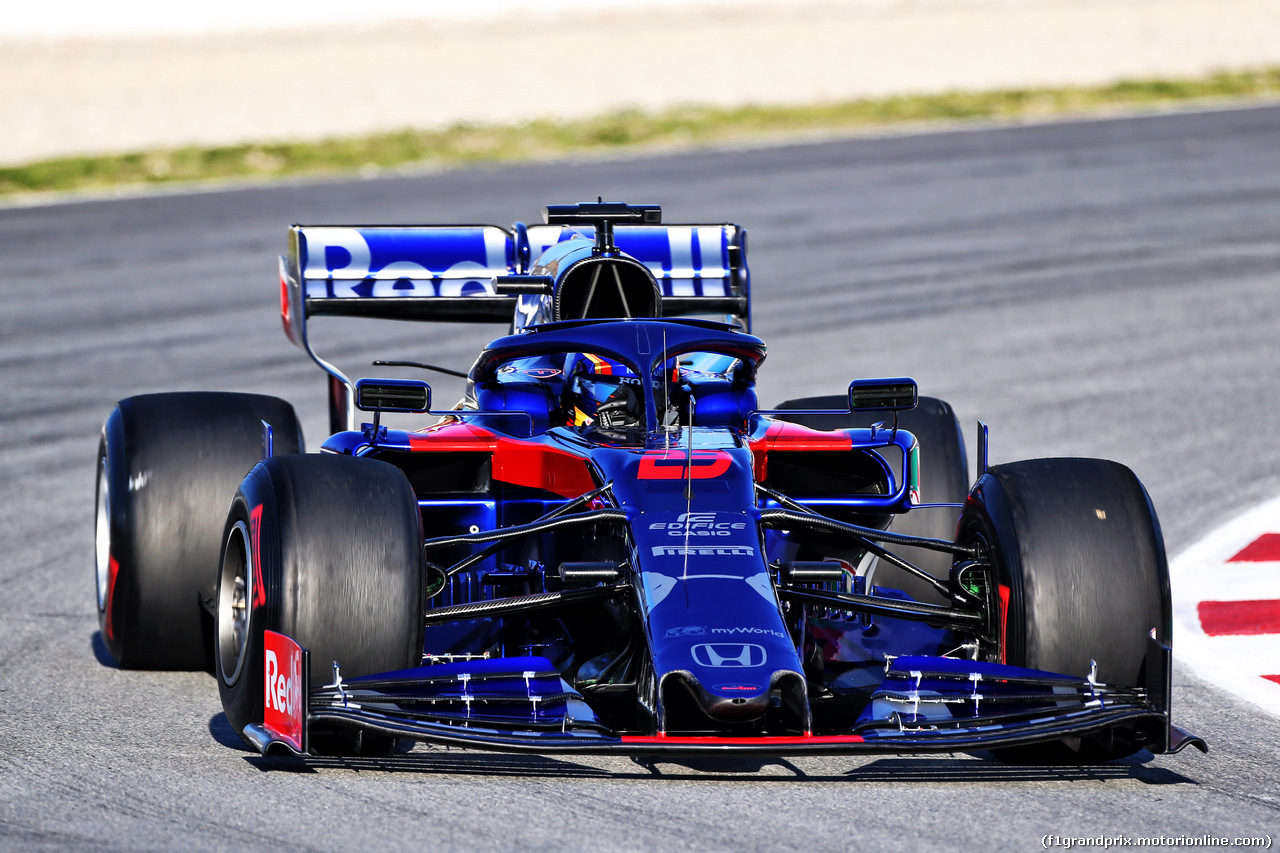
{"points": [[729, 654]]}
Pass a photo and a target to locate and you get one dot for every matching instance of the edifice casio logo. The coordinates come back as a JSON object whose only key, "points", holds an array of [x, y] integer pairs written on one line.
{"points": [[702, 524]]}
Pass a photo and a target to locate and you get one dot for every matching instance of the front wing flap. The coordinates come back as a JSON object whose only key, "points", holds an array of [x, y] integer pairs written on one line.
{"points": [[923, 705], [586, 742]]}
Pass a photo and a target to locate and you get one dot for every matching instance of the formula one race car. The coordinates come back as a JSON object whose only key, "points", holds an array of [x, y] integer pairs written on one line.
{"points": [[609, 546]]}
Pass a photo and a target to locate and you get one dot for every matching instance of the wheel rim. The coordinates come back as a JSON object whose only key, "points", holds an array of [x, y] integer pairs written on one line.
{"points": [[974, 535], [235, 592], [102, 535]]}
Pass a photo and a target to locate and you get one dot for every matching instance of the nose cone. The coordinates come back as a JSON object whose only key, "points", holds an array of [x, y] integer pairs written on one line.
{"points": [[732, 702], [729, 681], [718, 640], [687, 698]]}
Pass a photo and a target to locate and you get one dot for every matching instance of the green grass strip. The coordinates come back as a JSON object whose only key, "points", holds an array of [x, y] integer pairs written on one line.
{"points": [[684, 126]]}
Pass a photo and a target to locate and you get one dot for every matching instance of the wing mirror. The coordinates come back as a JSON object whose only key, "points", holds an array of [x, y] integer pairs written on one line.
{"points": [[882, 395], [393, 395]]}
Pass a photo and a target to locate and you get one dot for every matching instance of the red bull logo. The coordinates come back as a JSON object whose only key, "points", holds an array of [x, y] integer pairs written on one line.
{"points": [[283, 704]]}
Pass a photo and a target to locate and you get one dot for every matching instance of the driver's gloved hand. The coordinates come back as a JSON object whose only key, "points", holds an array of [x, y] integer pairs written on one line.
{"points": [[620, 411]]}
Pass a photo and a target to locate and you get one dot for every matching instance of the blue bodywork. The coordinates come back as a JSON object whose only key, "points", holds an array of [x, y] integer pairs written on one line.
{"points": [[690, 636]]}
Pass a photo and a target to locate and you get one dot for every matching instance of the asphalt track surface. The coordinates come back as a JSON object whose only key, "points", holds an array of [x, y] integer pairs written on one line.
{"points": [[1102, 288]]}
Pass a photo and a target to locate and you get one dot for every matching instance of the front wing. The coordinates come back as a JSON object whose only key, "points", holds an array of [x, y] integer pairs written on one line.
{"points": [[522, 705]]}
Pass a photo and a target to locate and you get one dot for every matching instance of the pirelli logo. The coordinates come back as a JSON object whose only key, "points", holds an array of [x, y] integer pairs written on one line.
{"points": [[704, 550]]}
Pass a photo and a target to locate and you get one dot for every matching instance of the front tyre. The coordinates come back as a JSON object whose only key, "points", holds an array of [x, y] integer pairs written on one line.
{"points": [[1080, 573], [168, 465], [327, 550]]}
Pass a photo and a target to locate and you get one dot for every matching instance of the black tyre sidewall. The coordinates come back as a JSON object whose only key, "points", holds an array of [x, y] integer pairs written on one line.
{"points": [[241, 690], [1078, 545], [172, 463], [118, 601], [339, 548]]}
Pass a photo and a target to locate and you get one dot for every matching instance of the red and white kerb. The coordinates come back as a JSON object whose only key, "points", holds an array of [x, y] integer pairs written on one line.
{"points": [[1226, 604]]}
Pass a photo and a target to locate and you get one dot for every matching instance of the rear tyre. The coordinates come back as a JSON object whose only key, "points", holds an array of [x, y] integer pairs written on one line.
{"points": [[944, 478], [327, 550], [1079, 557], [168, 465]]}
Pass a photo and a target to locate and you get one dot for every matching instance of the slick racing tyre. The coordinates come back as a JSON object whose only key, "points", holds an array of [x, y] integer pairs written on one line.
{"points": [[1078, 554], [944, 478], [168, 465], [328, 551]]}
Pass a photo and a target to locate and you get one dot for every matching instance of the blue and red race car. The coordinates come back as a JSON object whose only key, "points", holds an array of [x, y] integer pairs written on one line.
{"points": [[610, 546]]}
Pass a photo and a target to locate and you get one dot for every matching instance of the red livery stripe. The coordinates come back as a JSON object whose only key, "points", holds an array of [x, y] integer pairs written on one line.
{"points": [[741, 741], [1004, 592], [1240, 617], [1275, 678], [454, 435], [522, 463], [784, 435], [1264, 549]]}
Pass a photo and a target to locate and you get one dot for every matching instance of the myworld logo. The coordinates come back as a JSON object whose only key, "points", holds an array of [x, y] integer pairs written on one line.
{"points": [[758, 632], [729, 654]]}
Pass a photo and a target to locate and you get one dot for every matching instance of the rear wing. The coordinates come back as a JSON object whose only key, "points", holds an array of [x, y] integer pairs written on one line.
{"points": [[399, 273], [445, 273], [700, 269]]}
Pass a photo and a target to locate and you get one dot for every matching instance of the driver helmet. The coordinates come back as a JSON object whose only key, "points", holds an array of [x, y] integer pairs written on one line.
{"points": [[604, 394]]}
